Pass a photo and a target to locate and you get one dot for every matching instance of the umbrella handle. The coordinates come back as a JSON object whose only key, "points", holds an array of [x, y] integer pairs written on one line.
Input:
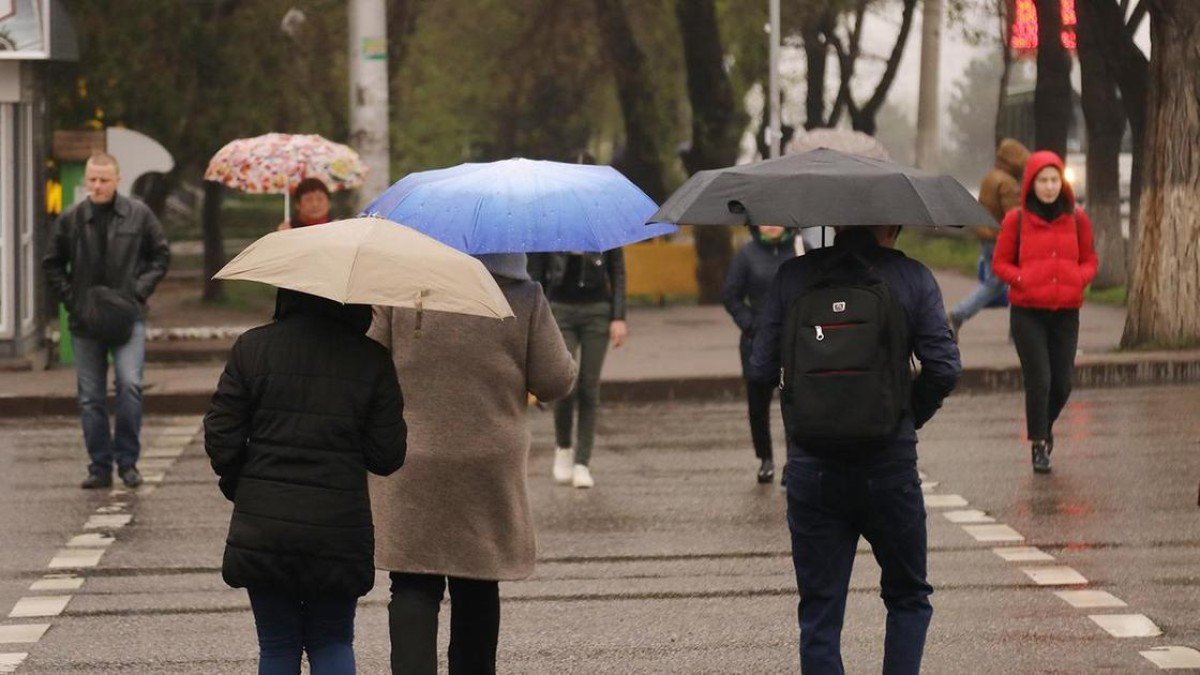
{"points": [[287, 202], [420, 305]]}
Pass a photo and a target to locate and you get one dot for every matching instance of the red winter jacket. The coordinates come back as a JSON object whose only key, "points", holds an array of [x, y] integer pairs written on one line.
{"points": [[1057, 259]]}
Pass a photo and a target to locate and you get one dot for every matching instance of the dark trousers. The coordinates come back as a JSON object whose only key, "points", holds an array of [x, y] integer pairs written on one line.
{"points": [[1046, 341], [585, 328], [829, 506], [413, 624], [758, 401], [287, 627]]}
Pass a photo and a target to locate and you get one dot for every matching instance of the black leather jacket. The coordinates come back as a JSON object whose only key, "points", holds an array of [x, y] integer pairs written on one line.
{"points": [[137, 252], [598, 270]]}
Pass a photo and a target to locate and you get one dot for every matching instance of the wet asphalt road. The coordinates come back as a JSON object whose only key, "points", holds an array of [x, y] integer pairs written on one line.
{"points": [[677, 561]]}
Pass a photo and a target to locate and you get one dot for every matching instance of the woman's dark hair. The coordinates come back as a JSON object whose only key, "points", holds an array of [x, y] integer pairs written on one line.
{"points": [[310, 184]]}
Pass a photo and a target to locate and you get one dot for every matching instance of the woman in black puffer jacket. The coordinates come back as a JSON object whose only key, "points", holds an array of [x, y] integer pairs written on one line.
{"points": [[307, 405]]}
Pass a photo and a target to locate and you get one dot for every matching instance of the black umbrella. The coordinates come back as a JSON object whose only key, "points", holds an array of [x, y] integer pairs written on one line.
{"points": [[822, 187]]}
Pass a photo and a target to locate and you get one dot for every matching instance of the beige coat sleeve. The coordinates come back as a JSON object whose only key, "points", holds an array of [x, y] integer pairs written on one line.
{"points": [[550, 371]]}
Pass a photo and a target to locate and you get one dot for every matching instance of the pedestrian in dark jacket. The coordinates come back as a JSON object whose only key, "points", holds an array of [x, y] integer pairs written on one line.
{"points": [[746, 284], [307, 405], [1045, 253], [106, 255], [837, 495], [587, 295]]}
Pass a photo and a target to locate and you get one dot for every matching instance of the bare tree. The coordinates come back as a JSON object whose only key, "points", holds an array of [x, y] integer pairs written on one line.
{"points": [[848, 49], [717, 124], [1164, 299]]}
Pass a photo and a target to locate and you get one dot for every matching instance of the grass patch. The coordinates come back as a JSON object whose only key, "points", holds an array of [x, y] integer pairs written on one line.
{"points": [[960, 254], [241, 296], [1116, 295]]}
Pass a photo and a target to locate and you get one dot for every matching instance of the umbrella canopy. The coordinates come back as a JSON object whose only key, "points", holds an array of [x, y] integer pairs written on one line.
{"points": [[842, 140], [276, 163], [371, 261], [522, 206], [822, 188]]}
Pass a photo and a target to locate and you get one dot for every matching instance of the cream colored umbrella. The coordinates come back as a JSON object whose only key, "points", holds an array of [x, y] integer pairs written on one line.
{"points": [[371, 261]]}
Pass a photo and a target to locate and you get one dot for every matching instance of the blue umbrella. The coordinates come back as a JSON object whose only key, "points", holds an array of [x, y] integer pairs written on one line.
{"points": [[522, 206]]}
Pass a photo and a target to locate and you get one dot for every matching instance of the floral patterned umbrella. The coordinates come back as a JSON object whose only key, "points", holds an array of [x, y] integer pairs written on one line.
{"points": [[276, 163]]}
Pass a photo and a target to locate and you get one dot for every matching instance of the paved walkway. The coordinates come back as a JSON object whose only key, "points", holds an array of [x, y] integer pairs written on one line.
{"points": [[674, 352]]}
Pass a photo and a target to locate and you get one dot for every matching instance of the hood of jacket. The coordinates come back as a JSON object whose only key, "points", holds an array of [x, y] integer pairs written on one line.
{"points": [[1038, 161], [1011, 156], [289, 303], [787, 240]]}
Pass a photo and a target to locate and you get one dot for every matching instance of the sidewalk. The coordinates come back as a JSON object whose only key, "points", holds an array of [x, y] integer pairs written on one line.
{"points": [[676, 353]]}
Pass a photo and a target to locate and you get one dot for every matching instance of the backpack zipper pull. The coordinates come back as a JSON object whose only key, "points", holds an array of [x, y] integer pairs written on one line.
{"points": [[820, 334]]}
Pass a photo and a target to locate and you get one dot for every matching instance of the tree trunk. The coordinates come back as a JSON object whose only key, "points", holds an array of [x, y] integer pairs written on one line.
{"points": [[1052, 99], [214, 243], [642, 159], [1163, 300], [816, 55], [717, 124], [1105, 127], [1004, 13]]}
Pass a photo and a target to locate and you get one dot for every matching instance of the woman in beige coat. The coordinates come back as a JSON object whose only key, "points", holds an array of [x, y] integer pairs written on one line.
{"points": [[459, 512]]}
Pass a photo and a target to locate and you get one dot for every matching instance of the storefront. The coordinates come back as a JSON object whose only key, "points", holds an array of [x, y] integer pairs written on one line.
{"points": [[32, 32]]}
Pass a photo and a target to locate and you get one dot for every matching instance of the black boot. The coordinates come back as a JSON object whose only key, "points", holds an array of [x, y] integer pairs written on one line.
{"points": [[97, 480], [766, 471], [1041, 457], [130, 476]]}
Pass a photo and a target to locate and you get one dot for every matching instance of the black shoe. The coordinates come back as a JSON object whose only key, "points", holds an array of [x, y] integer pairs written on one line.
{"points": [[766, 471], [130, 476], [1041, 457], [97, 481], [1050, 445]]}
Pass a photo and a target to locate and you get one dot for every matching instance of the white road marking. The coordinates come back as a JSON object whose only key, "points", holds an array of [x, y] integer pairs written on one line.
{"points": [[928, 486], [1173, 657], [39, 606], [107, 521], [968, 516], [1022, 554], [1090, 599], [940, 501], [113, 508], [1054, 576], [57, 582], [154, 477], [10, 662], [993, 533], [155, 464], [90, 540], [159, 452], [1126, 625], [72, 558], [22, 633]]}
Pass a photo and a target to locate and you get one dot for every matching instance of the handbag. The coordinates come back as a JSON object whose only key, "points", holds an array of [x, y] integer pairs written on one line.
{"points": [[107, 314]]}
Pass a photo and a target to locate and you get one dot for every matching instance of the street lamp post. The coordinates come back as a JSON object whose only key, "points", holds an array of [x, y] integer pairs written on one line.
{"points": [[775, 131], [369, 94]]}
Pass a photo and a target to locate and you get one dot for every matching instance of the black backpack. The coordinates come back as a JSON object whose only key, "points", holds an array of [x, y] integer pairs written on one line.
{"points": [[846, 377]]}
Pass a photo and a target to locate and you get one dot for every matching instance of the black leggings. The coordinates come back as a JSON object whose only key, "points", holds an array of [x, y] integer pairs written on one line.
{"points": [[1046, 341], [758, 400], [413, 624]]}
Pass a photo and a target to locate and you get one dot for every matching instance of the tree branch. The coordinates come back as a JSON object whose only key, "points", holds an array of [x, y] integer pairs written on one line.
{"points": [[1135, 20], [889, 74]]}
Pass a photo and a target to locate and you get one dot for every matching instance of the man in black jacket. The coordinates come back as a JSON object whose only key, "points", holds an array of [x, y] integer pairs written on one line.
{"points": [[835, 493], [106, 255]]}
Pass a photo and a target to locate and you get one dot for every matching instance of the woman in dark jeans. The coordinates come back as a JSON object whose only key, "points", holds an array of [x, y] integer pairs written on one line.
{"points": [[750, 276], [587, 295], [1045, 255]]}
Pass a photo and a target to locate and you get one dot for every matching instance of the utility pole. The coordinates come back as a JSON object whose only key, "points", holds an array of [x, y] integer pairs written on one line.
{"points": [[369, 94], [928, 105], [775, 132]]}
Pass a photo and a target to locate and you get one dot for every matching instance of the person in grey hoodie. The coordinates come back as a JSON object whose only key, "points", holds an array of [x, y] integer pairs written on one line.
{"points": [[750, 276]]}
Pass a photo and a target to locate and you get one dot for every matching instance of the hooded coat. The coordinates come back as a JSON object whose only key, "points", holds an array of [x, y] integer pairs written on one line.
{"points": [[460, 507], [307, 405], [749, 279], [1057, 259], [1000, 190]]}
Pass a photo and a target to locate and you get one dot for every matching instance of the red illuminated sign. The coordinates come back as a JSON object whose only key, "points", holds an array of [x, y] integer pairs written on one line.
{"points": [[1025, 26]]}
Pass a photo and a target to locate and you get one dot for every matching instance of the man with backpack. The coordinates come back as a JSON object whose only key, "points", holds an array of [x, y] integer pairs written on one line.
{"points": [[837, 332]]}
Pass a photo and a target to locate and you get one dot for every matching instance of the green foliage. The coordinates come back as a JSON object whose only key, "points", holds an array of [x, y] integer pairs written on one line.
{"points": [[1109, 296], [960, 254]]}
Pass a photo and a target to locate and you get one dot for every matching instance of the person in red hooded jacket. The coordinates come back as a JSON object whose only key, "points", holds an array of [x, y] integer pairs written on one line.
{"points": [[1045, 255]]}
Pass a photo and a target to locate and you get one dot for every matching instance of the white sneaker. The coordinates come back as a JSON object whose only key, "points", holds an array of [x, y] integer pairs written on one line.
{"points": [[582, 477], [564, 458]]}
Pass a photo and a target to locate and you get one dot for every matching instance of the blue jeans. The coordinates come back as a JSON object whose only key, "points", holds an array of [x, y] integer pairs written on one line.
{"points": [[829, 506], [91, 370], [985, 293], [288, 627]]}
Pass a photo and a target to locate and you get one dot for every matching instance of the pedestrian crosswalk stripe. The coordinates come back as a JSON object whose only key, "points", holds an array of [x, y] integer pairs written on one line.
{"points": [[939, 501], [1126, 625], [22, 633], [72, 558], [107, 521], [90, 540], [10, 662], [1090, 599], [993, 533], [1173, 657], [1022, 554], [39, 606], [1054, 576], [968, 516], [57, 582]]}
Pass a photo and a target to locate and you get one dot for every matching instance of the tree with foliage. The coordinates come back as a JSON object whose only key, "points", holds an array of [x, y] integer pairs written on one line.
{"points": [[1164, 299], [1052, 98]]}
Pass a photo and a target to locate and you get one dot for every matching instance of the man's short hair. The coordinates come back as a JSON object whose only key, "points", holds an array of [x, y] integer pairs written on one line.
{"points": [[310, 184], [104, 159]]}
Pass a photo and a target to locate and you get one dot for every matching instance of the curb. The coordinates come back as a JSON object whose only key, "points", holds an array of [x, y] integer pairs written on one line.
{"points": [[1095, 375]]}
